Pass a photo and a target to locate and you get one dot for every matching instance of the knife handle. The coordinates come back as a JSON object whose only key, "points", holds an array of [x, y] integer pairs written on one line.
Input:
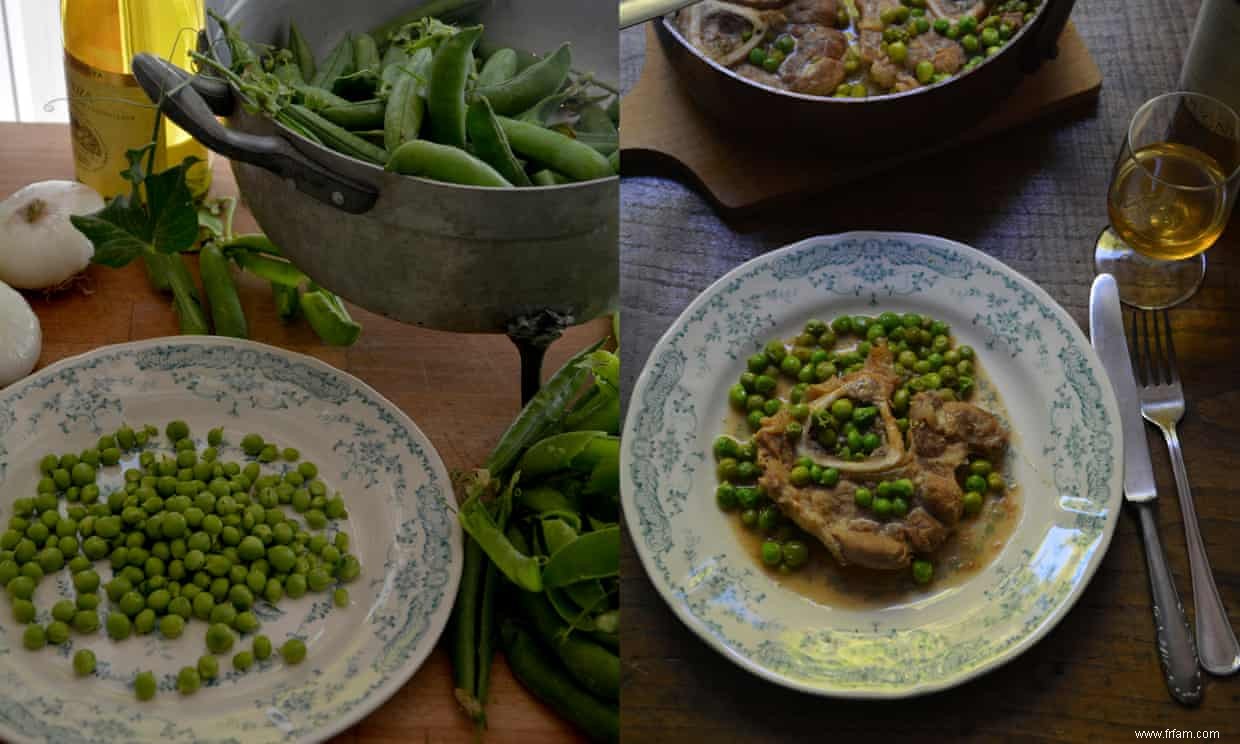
{"points": [[1175, 640]]}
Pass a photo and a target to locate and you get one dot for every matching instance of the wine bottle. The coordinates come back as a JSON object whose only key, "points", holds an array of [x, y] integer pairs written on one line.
{"points": [[108, 112], [1211, 65]]}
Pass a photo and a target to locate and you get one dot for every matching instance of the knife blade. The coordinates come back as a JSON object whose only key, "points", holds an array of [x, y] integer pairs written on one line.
{"points": [[1106, 333], [1176, 650]]}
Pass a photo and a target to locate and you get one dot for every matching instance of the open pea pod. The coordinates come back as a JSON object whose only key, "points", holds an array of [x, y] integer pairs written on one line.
{"points": [[575, 450], [523, 570], [558, 531], [594, 555], [542, 415], [598, 409]]}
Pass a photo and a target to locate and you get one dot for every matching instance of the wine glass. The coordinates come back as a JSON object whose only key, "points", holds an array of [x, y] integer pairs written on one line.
{"points": [[1172, 191]]}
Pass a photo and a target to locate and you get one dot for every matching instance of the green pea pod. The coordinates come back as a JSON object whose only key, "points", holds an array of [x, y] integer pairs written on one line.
{"points": [[157, 271], [542, 415], [288, 301], [373, 136], [417, 65], [490, 143], [365, 53], [464, 621], [593, 118], [523, 570], [531, 85], [595, 668], [550, 111], [599, 409], [556, 534], [356, 115], [594, 555], [329, 318], [395, 64], [317, 99], [546, 177], [402, 119], [542, 676], [273, 270], [490, 588], [185, 297], [571, 518], [446, 96], [614, 161], [338, 64], [444, 163], [358, 86], [336, 137], [499, 68], [603, 459], [556, 151], [569, 450], [301, 52], [250, 242], [544, 499], [226, 312]]}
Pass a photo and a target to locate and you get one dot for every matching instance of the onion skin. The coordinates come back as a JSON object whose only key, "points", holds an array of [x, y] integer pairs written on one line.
{"points": [[39, 247], [21, 339]]}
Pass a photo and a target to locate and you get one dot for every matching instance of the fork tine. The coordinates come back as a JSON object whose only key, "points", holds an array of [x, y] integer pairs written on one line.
{"points": [[1151, 351], [1157, 358], [1134, 347], [1173, 373]]}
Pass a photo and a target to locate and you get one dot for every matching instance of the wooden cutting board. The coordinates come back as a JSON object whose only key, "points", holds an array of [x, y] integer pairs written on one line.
{"points": [[665, 134]]}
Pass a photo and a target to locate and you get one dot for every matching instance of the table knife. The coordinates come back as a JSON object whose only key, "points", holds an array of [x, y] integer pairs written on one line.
{"points": [[1175, 640]]}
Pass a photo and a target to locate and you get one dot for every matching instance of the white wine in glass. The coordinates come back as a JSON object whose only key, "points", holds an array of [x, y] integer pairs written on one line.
{"points": [[1171, 194]]}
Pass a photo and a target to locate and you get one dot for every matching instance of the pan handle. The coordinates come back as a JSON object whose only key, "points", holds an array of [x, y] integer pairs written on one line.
{"points": [[1046, 42], [184, 105]]}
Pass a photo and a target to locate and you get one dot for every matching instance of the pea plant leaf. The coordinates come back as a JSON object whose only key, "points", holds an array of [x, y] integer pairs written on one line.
{"points": [[118, 232], [173, 216], [126, 228]]}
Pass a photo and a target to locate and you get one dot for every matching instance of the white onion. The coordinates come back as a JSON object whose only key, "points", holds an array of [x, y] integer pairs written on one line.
{"points": [[21, 340], [39, 247]]}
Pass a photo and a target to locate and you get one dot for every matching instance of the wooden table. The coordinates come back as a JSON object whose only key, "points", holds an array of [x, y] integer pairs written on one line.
{"points": [[1034, 198], [462, 390]]}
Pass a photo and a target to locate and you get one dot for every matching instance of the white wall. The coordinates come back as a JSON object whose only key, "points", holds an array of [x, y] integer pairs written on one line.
{"points": [[31, 61]]}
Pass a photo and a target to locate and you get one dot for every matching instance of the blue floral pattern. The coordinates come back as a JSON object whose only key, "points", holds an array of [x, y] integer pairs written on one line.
{"points": [[402, 524], [1066, 456]]}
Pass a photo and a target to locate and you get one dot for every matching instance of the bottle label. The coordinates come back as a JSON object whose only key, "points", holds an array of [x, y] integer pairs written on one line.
{"points": [[108, 114]]}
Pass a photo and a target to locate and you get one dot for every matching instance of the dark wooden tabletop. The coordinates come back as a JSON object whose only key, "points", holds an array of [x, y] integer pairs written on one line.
{"points": [[1034, 198]]}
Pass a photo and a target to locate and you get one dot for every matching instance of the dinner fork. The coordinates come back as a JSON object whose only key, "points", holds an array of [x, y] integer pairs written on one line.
{"points": [[1162, 404]]}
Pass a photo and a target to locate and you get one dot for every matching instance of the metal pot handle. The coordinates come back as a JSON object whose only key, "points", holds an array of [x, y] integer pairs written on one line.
{"points": [[166, 83], [1046, 44]]}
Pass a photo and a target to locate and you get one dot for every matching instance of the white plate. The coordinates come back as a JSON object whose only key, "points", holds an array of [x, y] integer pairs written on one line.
{"points": [[401, 523], [1067, 461]]}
